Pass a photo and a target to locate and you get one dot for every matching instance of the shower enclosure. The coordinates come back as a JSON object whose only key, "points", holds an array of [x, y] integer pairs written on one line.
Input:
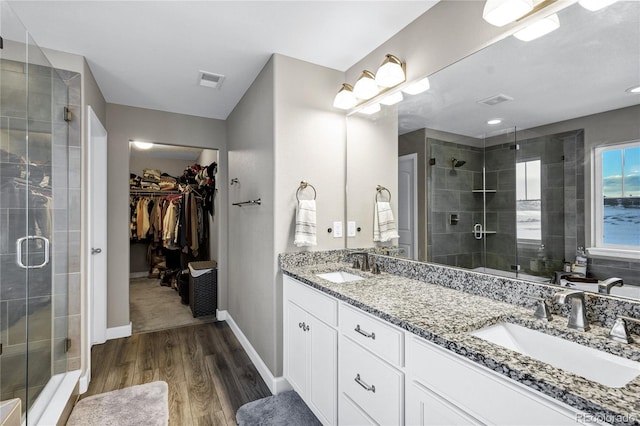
{"points": [[506, 203], [39, 221]]}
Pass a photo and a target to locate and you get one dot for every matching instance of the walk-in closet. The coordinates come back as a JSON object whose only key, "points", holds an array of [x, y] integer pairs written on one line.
{"points": [[172, 236]]}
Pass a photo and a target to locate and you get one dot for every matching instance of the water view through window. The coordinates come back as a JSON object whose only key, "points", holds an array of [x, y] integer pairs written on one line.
{"points": [[621, 193], [528, 202]]}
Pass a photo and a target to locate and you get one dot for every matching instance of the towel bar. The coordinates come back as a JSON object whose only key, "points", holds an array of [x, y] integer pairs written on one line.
{"points": [[247, 203]]}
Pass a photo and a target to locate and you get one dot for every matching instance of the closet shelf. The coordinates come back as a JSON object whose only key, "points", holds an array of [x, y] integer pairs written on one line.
{"points": [[485, 191]]}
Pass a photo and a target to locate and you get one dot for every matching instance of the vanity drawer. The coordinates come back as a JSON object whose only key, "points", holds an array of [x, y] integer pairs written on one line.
{"points": [[384, 340], [375, 386], [311, 300], [479, 392]]}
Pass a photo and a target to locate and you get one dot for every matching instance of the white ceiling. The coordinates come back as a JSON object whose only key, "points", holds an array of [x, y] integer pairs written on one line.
{"points": [[580, 69], [148, 53]]}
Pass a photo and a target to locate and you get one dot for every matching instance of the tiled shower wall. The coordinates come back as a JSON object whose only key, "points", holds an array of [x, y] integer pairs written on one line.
{"points": [[449, 192]]}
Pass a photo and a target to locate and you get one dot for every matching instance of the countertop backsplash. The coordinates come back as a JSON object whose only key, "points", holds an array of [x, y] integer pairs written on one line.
{"points": [[601, 309]]}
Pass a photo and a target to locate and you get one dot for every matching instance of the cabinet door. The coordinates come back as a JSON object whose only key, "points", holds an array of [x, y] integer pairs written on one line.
{"points": [[352, 415], [323, 369], [424, 408], [296, 348]]}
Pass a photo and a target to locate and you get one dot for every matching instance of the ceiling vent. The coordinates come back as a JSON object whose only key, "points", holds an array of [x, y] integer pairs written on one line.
{"points": [[209, 79], [495, 100]]}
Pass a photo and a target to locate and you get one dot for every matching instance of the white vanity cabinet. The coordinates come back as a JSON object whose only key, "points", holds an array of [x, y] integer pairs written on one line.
{"points": [[311, 348], [445, 388], [352, 368], [371, 381]]}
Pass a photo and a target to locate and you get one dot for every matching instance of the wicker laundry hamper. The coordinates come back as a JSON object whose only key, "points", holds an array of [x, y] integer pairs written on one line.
{"points": [[203, 288]]}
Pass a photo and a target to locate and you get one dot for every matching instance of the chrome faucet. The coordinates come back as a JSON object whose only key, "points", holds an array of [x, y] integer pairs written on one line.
{"points": [[364, 266], [605, 286], [619, 332], [578, 315], [542, 311]]}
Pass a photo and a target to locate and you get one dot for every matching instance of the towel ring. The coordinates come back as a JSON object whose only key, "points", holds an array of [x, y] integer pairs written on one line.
{"points": [[303, 186], [381, 188]]}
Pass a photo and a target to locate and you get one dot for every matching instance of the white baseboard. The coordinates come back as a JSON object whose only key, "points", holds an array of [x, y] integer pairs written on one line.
{"points": [[118, 332], [83, 383], [276, 384], [138, 274]]}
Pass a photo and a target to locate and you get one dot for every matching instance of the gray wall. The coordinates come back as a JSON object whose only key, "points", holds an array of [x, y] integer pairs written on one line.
{"points": [[250, 131], [123, 124], [309, 145], [282, 131]]}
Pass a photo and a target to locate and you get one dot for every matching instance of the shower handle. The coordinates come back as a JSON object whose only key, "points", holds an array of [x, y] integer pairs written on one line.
{"points": [[477, 231], [19, 242]]}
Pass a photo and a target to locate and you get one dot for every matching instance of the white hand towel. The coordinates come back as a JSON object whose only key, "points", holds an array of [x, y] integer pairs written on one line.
{"points": [[305, 234], [384, 227]]}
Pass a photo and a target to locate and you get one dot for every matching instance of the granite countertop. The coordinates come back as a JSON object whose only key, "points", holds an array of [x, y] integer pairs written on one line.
{"points": [[445, 316]]}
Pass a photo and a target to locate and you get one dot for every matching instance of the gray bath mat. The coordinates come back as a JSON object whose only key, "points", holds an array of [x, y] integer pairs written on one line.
{"points": [[136, 405], [279, 410]]}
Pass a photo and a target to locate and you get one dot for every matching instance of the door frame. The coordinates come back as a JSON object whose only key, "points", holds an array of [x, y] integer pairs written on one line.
{"points": [[413, 157]]}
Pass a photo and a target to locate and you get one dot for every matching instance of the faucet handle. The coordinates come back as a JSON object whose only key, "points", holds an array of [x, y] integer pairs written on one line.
{"points": [[542, 311], [619, 332], [605, 286]]}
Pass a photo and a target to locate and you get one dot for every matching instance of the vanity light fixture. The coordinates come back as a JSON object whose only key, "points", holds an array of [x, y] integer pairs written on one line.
{"points": [[502, 12], [494, 121], [539, 28], [366, 87], [345, 99], [392, 99], [594, 5], [634, 90], [418, 87], [371, 109], [142, 145], [391, 72]]}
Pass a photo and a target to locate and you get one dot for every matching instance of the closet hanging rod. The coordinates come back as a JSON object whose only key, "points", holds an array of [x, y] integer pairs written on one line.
{"points": [[248, 203], [153, 192]]}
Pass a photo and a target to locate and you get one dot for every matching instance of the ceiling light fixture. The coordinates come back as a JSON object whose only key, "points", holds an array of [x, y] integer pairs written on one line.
{"points": [[494, 121], [391, 72], [371, 109], [345, 99], [594, 5], [418, 87], [142, 145], [634, 90], [502, 12], [366, 87], [539, 28], [392, 99]]}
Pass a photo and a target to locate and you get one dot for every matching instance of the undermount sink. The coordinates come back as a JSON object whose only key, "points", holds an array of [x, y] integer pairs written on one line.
{"points": [[592, 364], [340, 277]]}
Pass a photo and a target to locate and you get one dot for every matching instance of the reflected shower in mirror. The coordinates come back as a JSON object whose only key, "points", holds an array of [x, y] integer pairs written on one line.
{"points": [[494, 161]]}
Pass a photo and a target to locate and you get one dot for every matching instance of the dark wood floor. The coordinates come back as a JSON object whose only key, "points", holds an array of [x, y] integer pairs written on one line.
{"points": [[209, 374]]}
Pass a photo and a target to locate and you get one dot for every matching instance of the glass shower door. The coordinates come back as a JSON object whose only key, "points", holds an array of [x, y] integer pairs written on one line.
{"points": [[34, 197]]}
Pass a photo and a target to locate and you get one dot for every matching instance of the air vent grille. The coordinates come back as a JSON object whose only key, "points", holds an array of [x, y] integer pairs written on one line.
{"points": [[495, 100], [209, 79]]}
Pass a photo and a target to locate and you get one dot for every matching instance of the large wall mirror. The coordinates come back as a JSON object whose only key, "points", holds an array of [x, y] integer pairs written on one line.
{"points": [[512, 196]]}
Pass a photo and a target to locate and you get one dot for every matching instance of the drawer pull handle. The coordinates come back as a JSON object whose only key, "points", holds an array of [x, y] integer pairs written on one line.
{"points": [[364, 333], [301, 325], [359, 381]]}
